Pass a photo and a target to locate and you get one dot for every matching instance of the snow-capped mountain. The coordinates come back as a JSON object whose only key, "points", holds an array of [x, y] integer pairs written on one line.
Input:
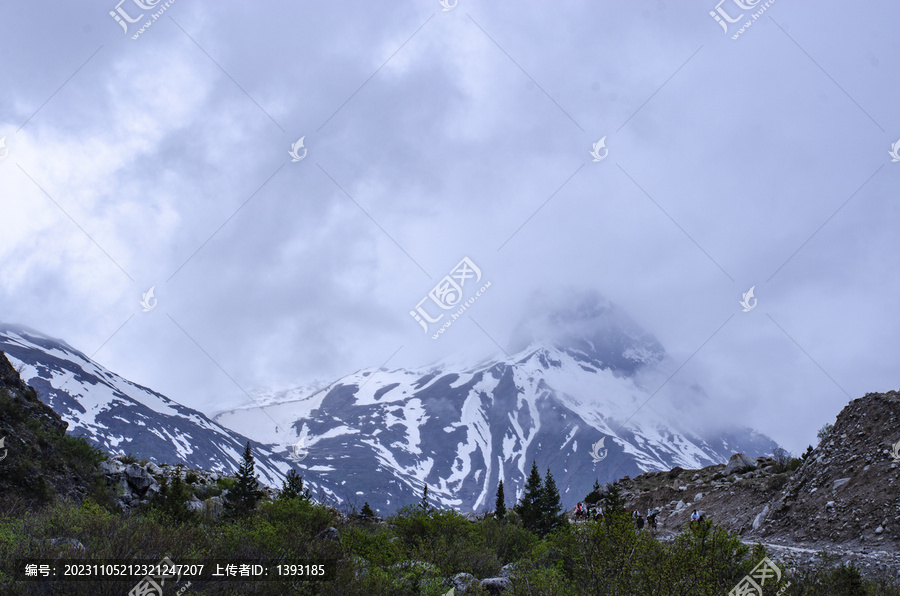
{"points": [[121, 417], [573, 403], [575, 397]]}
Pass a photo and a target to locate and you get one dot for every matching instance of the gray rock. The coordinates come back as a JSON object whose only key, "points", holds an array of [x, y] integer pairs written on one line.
{"points": [[463, 581], [879, 529], [495, 585], [330, 533], [760, 517], [112, 466], [69, 542], [840, 482], [138, 477], [507, 570], [737, 462], [154, 469]]}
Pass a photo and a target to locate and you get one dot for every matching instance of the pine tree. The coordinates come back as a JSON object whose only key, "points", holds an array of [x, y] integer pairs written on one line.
{"points": [[292, 487], [593, 496], [529, 507], [242, 499], [551, 511], [172, 499], [366, 511], [424, 506], [613, 503], [500, 506]]}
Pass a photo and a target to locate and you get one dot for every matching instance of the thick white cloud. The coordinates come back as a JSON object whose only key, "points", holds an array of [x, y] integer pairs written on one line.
{"points": [[170, 151]]}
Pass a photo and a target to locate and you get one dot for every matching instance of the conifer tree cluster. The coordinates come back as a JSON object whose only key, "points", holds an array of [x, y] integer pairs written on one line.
{"points": [[500, 506], [242, 499], [540, 507], [292, 487]]}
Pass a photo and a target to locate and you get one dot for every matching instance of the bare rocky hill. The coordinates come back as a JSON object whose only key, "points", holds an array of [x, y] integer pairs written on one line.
{"points": [[842, 498], [847, 491]]}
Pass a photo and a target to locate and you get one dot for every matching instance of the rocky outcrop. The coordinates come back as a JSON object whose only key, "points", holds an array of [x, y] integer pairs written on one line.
{"points": [[738, 462], [137, 483], [847, 490]]}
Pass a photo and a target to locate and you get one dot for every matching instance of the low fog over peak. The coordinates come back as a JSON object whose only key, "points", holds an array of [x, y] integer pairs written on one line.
{"points": [[434, 136]]}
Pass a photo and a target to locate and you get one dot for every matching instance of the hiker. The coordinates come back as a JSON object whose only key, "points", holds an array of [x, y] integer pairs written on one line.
{"points": [[638, 520], [578, 511], [695, 517], [651, 517]]}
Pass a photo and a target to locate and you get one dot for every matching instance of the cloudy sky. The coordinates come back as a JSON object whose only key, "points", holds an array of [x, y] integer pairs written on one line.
{"points": [[159, 157]]}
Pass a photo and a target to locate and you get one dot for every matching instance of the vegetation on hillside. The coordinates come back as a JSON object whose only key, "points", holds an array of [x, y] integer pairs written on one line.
{"points": [[419, 550]]}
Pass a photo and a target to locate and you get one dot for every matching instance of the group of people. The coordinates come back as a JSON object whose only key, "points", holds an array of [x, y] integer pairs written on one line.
{"points": [[593, 511], [588, 511], [651, 518]]}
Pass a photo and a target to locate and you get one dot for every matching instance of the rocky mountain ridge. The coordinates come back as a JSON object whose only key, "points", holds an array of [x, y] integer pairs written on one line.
{"points": [[841, 497]]}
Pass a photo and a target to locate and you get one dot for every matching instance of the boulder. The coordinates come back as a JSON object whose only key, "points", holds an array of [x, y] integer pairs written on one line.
{"points": [[195, 504], [330, 533], [840, 482], [112, 467], [737, 462], [138, 477], [462, 582], [760, 517], [495, 585], [66, 542]]}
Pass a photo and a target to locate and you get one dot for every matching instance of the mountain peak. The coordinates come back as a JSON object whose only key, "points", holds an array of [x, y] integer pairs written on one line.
{"points": [[590, 328]]}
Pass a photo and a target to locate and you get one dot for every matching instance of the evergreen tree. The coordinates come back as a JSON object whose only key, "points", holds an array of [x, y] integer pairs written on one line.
{"points": [[500, 506], [613, 503], [172, 499], [593, 496], [529, 508], [366, 511], [292, 487], [808, 452], [551, 511], [424, 506], [242, 499]]}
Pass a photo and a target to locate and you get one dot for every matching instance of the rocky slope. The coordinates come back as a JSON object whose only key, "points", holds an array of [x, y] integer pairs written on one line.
{"points": [[841, 498], [847, 491], [36, 460]]}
